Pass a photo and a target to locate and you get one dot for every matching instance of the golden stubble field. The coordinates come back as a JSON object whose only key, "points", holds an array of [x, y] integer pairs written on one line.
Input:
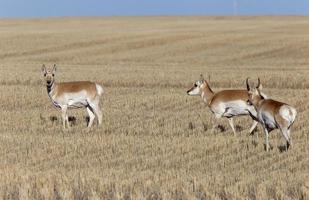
{"points": [[155, 141]]}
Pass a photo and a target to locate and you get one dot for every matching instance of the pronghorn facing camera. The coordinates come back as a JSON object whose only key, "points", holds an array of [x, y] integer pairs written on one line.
{"points": [[272, 114], [79, 94], [225, 103]]}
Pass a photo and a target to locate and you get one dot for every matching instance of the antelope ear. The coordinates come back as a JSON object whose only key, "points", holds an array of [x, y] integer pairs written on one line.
{"points": [[260, 87], [258, 92], [54, 68], [43, 68]]}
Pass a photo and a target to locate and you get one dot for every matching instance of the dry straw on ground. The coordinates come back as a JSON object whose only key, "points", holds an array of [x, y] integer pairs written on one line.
{"points": [[155, 142]]}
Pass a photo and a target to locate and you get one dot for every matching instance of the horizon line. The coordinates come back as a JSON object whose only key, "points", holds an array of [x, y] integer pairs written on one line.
{"points": [[165, 15]]}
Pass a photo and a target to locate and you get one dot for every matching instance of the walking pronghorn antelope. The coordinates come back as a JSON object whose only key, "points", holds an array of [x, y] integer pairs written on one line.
{"points": [[79, 94], [272, 114], [225, 103]]}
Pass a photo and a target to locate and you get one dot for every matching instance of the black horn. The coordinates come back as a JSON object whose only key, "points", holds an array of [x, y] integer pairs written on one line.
{"points": [[54, 68], [247, 83], [259, 83]]}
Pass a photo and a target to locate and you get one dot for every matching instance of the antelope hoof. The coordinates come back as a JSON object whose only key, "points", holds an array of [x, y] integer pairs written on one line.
{"points": [[268, 147], [288, 145], [87, 130], [65, 130]]}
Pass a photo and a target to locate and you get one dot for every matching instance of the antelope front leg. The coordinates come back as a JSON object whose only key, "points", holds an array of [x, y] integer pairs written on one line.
{"points": [[253, 127], [213, 127], [231, 122], [67, 120], [214, 123], [251, 131], [266, 138], [64, 115]]}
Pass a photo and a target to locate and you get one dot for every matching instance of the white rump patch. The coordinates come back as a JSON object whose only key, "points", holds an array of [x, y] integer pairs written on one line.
{"points": [[99, 88], [288, 113]]}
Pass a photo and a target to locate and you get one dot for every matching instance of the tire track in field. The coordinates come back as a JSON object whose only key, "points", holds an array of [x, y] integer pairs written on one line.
{"points": [[270, 168], [254, 157], [148, 106], [71, 46], [124, 46], [271, 163], [61, 48]]}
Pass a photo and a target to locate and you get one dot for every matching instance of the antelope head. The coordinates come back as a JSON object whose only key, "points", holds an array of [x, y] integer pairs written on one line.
{"points": [[197, 88], [49, 74], [254, 93]]}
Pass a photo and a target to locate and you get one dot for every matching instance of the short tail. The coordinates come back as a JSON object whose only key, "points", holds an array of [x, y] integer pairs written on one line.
{"points": [[291, 116], [288, 113], [100, 90]]}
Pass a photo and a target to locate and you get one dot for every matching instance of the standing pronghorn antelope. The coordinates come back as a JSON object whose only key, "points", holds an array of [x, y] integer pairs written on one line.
{"points": [[225, 103], [272, 114], [79, 94]]}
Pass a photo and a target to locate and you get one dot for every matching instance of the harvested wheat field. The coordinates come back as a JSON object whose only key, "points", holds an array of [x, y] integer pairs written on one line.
{"points": [[155, 141]]}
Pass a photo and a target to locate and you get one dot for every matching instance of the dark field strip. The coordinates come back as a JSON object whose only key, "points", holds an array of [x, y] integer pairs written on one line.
{"points": [[151, 85]]}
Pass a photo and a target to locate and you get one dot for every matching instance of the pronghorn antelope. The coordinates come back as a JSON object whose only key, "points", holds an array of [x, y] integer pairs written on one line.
{"points": [[79, 94], [225, 103], [271, 114]]}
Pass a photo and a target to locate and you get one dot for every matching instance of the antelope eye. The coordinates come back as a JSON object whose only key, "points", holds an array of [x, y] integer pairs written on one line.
{"points": [[195, 85], [45, 74], [53, 74]]}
